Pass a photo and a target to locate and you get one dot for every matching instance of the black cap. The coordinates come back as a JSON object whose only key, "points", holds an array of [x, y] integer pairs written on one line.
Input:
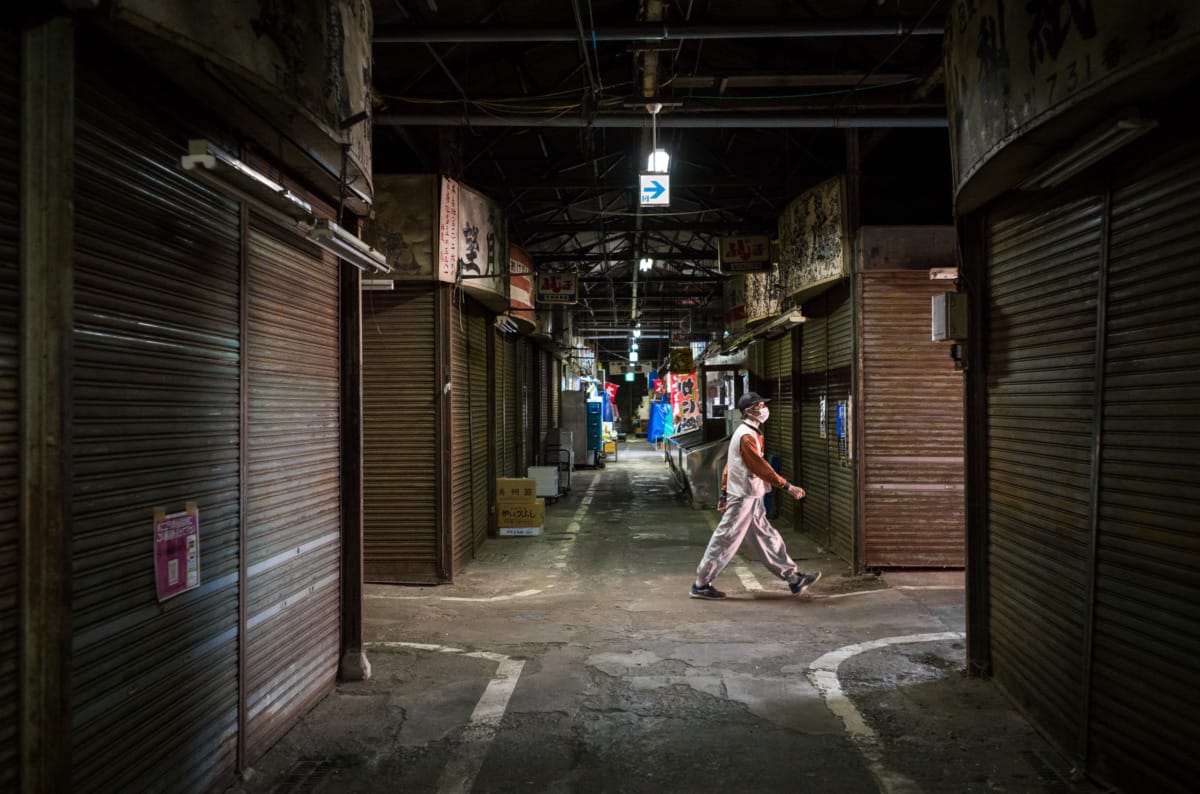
{"points": [[750, 398]]}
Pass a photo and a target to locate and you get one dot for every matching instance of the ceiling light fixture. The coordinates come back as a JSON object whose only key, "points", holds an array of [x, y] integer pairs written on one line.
{"points": [[1123, 130], [218, 169], [350, 249], [659, 161], [646, 263]]}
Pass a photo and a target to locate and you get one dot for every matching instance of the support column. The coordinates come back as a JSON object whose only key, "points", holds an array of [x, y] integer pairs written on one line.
{"points": [[47, 121], [354, 665]]}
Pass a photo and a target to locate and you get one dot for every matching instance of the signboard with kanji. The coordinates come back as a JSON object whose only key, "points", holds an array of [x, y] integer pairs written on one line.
{"points": [[745, 253], [557, 288]]}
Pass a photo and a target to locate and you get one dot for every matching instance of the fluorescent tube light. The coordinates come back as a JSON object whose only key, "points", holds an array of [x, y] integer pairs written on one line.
{"points": [[782, 324], [336, 240], [221, 170], [377, 285], [1090, 150]]}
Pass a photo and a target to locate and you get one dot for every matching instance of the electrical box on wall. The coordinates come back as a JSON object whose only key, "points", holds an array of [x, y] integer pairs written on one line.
{"points": [[949, 316]]}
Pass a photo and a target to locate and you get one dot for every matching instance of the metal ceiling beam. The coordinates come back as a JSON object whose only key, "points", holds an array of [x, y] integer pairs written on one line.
{"points": [[677, 120], [652, 31], [625, 256], [623, 223]]}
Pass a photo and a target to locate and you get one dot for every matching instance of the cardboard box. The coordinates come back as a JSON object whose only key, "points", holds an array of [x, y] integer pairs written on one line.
{"points": [[516, 490], [519, 532], [610, 447], [521, 515]]}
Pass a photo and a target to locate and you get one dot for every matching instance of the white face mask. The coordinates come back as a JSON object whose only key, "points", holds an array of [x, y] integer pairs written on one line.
{"points": [[763, 414]]}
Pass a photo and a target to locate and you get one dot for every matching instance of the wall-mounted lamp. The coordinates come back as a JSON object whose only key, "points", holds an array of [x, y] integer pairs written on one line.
{"points": [[1090, 150], [338, 241], [505, 324], [218, 169]]}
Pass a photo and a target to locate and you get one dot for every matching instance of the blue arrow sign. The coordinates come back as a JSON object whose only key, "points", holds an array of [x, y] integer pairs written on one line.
{"points": [[654, 189]]}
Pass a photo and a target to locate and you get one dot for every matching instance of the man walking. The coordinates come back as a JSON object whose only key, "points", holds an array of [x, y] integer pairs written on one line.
{"points": [[745, 481]]}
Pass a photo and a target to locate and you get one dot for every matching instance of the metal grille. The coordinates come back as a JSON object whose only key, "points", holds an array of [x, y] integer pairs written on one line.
{"points": [[814, 441], [912, 398], [400, 440], [156, 404], [1042, 270], [1146, 637], [293, 491], [9, 390], [481, 388], [543, 392]]}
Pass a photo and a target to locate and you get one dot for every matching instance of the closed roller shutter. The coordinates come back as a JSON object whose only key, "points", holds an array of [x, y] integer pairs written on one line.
{"points": [[912, 397], [526, 455], [543, 394], [841, 468], [1146, 638], [9, 389], [508, 417], [469, 395], [815, 429], [555, 388], [400, 440], [156, 403], [778, 429], [1042, 271], [293, 492]]}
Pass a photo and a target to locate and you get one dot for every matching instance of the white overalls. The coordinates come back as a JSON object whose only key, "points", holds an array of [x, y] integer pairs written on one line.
{"points": [[745, 516]]}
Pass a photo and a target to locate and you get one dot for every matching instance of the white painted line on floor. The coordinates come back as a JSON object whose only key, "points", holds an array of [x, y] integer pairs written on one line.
{"points": [[576, 525], [823, 674], [573, 527], [459, 774], [481, 600], [889, 589], [748, 580]]}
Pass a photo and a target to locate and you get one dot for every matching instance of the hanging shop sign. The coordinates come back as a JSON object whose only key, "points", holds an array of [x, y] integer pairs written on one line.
{"points": [[176, 551], [557, 288], [403, 224], [812, 240], [744, 254], [470, 242], [1011, 67], [682, 360], [734, 295], [685, 402], [520, 287]]}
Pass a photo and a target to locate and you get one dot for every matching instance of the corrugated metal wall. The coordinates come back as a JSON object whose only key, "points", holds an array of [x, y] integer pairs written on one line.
{"points": [[814, 447], [470, 431], [1042, 272], [9, 390], [293, 485], [1145, 693], [912, 406], [400, 439], [156, 424]]}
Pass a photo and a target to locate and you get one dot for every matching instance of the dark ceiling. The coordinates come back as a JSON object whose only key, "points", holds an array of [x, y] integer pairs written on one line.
{"points": [[542, 105]]}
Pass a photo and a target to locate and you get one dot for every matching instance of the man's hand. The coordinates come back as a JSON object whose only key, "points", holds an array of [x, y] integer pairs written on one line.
{"points": [[721, 505], [796, 491]]}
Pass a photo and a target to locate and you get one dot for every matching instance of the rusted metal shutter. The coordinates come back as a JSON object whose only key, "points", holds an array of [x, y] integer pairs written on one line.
{"points": [[400, 440], [527, 445], [469, 395], [508, 415], [1146, 637], [1042, 271], [840, 329], [156, 403], [9, 390], [814, 422], [555, 389], [912, 398], [293, 490]]}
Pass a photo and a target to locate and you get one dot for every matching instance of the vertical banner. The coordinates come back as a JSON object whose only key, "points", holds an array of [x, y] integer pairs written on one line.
{"points": [[176, 551], [448, 232], [685, 402]]}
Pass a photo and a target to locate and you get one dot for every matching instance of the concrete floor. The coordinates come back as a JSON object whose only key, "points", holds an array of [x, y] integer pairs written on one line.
{"points": [[575, 662]]}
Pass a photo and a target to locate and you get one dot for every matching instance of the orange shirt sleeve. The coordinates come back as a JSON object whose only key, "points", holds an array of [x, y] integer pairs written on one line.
{"points": [[752, 457]]}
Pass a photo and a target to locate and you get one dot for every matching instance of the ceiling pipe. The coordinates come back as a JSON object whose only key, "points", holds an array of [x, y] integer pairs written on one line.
{"points": [[673, 120], [651, 31]]}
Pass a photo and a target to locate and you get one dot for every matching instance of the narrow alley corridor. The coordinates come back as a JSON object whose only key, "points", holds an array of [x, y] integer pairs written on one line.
{"points": [[576, 662]]}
